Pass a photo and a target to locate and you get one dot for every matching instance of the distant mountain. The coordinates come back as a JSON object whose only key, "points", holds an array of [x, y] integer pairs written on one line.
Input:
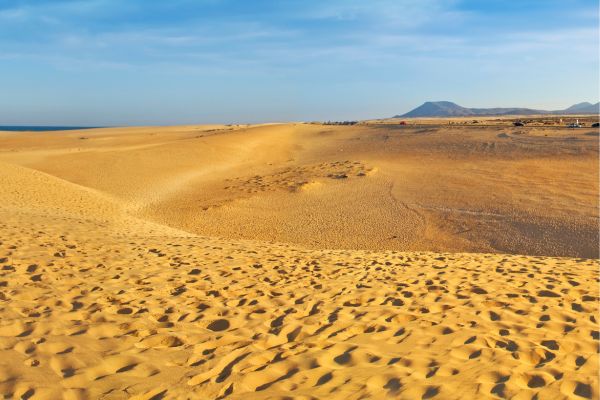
{"points": [[438, 109], [449, 109], [583, 108], [579, 106]]}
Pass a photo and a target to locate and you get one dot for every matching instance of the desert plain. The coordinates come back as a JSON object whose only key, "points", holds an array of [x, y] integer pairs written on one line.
{"points": [[442, 259]]}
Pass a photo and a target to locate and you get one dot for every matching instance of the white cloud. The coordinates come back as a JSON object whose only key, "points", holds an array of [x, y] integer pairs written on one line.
{"points": [[402, 13]]}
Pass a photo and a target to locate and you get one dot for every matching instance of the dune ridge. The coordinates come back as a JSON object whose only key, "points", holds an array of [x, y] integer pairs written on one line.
{"points": [[495, 188], [105, 292]]}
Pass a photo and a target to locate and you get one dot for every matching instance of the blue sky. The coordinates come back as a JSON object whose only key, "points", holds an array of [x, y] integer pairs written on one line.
{"points": [[132, 62]]}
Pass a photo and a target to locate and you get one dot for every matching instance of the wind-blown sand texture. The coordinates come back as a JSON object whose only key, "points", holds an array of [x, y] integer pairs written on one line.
{"points": [[127, 269]]}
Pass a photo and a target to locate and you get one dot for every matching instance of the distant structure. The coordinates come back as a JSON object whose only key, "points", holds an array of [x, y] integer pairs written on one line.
{"points": [[340, 123]]}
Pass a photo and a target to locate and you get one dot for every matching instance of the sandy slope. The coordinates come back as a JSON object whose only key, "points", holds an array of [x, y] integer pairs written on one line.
{"points": [[100, 300], [441, 188]]}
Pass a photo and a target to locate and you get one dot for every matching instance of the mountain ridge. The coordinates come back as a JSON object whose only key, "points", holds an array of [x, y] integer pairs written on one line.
{"points": [[450, 109]]}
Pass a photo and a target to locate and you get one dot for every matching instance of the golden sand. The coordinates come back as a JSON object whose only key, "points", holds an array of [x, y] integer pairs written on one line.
{"points": [[197, 262]]}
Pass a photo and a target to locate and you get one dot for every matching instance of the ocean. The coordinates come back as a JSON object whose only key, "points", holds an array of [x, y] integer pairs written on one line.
{"points": [[22, 128]]}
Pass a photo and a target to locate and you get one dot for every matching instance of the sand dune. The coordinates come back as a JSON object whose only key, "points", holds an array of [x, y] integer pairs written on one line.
{"points": [[200, 262], [499, 189]]}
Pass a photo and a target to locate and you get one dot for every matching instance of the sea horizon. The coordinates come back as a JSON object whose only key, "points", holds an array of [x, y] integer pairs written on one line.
{"points": [[42, 128]]}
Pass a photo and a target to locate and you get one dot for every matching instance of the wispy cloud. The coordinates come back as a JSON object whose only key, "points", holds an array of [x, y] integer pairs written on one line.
{"points": [[300, 44]]}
